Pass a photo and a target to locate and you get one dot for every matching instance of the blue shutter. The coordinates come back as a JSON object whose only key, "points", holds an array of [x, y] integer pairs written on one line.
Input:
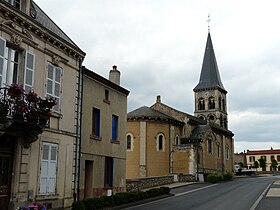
{"points": [[114, 127], [97, 122]]}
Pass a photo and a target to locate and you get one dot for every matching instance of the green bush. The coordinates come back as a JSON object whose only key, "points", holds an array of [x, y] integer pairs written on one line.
{"points": [[165, 190], [212, 178], [79, 205], [118, 199], [227, 176], [153, 192], [220, 177]]}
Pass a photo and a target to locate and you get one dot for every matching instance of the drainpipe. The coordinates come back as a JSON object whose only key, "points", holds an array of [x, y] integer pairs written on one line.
{"points": [[79, 106]]}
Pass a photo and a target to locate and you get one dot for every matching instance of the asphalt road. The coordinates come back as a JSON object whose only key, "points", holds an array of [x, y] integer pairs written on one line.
{"points": [[240, 194]]}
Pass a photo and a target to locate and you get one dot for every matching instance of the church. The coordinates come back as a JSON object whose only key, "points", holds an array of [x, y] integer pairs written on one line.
{"points": [[162, 140]]}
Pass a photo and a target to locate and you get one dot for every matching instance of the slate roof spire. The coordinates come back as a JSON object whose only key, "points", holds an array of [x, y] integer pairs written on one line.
{"points": [[209, 76]]}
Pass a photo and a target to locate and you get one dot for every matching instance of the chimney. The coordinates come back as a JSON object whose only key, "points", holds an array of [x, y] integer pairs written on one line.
{"points": [[158, 99], [114, 75]]}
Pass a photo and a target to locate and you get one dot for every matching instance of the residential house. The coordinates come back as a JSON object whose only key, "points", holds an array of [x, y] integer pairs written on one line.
{"points": [[103, 145], [268, 155], [37, 161], [163, 140]]}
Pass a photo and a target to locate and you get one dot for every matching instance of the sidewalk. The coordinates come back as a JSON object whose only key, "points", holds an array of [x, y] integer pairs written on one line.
{"points": [[173, 185], [271, 198]]}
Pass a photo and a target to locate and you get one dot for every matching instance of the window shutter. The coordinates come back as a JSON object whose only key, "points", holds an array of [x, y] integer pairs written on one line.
{"points": [[2, 59], [48, 169], [114, 127], [52, 169], [29, 71], [44, 169]]}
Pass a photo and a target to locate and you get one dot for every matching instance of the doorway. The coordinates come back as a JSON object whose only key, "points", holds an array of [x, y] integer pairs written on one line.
{"points": [[88, 179], [6, 165]]}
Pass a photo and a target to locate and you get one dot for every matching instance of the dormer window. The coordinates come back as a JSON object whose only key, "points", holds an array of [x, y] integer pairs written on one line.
{"points": [[15, 3]]}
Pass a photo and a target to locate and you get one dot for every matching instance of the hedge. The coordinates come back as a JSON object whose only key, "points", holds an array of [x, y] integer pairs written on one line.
{"points": [[118, 199], [214, 178]]}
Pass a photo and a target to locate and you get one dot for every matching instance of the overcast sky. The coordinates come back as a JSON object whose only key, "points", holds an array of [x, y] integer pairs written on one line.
{"points": [[158, 45]]}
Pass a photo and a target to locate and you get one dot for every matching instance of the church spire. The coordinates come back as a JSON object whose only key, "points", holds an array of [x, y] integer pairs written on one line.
{"points": [[209, 76]]}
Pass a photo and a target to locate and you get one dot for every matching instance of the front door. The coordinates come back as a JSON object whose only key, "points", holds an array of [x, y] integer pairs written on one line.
{"points": [[6, 162], [5, 180]]}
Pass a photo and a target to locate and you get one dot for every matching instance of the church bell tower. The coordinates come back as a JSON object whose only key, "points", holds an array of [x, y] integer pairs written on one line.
{"points": [[210, 94]]}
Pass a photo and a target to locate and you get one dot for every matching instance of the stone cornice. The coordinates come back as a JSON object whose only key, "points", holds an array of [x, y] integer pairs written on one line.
{"points": [[29, 26]]}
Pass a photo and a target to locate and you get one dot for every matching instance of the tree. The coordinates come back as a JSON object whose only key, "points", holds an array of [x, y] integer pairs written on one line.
{"points": [[241, 164], [256, 164], [262, 162], [274, 164]]}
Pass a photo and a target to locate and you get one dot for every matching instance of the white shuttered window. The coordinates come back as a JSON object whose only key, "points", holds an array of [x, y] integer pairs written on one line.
{"points": [[48, 168], [53, 85], [29, 71], [2, 58]]}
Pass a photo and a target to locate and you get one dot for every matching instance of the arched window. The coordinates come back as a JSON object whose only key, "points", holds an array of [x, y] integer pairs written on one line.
{"points": [[129, 142], [221, 120], [160, 142], [177, 140], [211, 103], [225, 122], [210, 146], [201, 104], [227, 152], [224, 105], [218, 150], [211, 118], [220, 103], [201, 117]]}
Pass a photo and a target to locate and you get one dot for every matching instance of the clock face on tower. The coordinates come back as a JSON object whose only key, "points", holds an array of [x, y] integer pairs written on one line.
{"points": [[206, 94]]}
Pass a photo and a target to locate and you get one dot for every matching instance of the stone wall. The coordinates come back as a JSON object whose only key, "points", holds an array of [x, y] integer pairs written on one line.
{"points": [[186, 178], [144, 183]]}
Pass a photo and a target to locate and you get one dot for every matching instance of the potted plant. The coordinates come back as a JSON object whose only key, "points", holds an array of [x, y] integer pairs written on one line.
{"points": [[15, 90]]}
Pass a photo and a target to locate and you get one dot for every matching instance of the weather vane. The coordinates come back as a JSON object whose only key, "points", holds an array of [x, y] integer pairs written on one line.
{"points": [[208, 20]]}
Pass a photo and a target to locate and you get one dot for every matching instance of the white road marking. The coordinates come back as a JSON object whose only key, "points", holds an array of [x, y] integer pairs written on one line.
{"points": [[179, 194], [259, 199]]}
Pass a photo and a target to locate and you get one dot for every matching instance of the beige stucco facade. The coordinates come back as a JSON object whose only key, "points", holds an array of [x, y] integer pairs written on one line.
{"points": [[97, 147], [268, 155], [145, 158], [22, 32]]}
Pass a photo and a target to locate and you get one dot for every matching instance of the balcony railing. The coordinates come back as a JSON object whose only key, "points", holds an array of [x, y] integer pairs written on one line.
{"points": [[23, 114]]}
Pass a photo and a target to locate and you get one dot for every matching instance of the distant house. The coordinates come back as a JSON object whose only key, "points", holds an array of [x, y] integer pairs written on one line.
{"points": [[37, 160], [267, 155], [103, 145], [162, 140]]}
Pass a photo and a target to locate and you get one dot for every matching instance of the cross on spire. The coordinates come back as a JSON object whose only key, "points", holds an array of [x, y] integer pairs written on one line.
{"points": [[208, 20]]}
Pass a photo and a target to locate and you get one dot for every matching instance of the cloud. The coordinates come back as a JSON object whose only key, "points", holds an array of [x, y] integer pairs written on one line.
{"points": [[159, 45]]}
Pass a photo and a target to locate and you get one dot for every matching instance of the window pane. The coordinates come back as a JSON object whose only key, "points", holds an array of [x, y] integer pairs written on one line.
{"points": [[45, 152], [50, 71], [51, 185], [43, 185], [56, 89], [56, 107], [128, 146], [57, 74], [29, 75], [1, 65], [30, 61], [53, 153], [2, 47], [49, 87]]}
